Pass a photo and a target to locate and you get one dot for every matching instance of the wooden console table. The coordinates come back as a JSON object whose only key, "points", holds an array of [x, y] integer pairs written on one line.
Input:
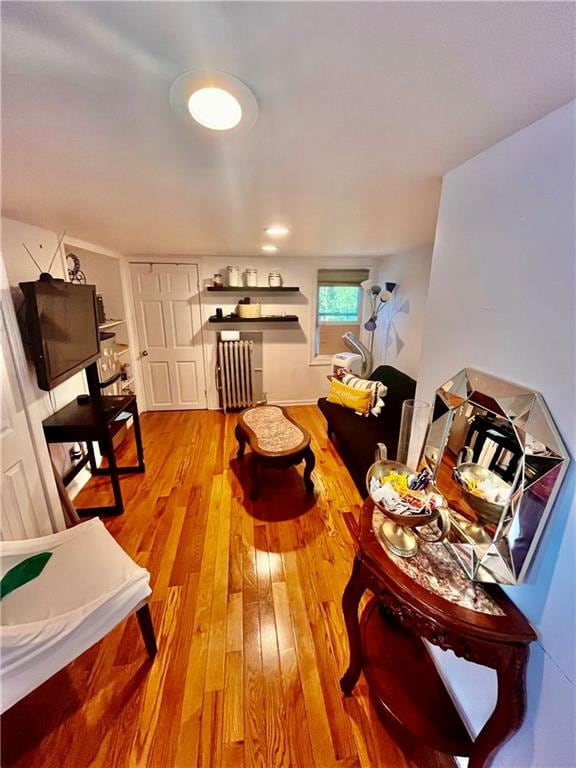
{"points": [[428, 597], [96, 421]]}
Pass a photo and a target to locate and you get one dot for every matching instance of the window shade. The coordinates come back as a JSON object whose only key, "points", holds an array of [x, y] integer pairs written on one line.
{"points": [[342, 276]]}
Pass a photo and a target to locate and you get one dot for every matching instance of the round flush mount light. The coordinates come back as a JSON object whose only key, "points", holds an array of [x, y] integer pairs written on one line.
{"points": [[277, 231], [214, 100], [269, 248], [215, 108]]}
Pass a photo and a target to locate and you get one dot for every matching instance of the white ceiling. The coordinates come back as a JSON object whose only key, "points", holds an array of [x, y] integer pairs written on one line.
{"points": [[363, 106]]}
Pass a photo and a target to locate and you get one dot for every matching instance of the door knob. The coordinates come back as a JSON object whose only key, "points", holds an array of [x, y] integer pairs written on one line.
{"points": [[144, 353]]}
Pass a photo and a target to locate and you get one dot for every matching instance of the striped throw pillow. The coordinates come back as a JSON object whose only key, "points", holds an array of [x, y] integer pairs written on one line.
{"points": [[377, 389]]}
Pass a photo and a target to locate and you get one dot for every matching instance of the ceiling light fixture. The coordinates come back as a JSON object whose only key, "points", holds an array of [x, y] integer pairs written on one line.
{"points": [[277, 230], [215, 108], [269, 248], [215, 100]]}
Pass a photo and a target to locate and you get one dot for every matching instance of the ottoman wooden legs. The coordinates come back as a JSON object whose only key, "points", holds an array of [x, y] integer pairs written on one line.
{"points": [[310, 461], [257, 462], [241, 437]]}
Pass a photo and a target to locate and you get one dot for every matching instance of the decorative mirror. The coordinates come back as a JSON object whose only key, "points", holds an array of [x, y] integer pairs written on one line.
{"points": [[498, 459]]}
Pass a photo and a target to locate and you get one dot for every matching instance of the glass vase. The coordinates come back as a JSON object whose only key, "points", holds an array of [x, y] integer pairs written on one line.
{"points": [[413, 428]]}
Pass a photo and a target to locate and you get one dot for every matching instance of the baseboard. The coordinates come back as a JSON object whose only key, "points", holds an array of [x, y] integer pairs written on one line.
{"points": [[292, 402], [274, 402]]}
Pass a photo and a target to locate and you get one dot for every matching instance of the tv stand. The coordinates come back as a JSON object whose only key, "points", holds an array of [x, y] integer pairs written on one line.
{"points": [[96, 421]]}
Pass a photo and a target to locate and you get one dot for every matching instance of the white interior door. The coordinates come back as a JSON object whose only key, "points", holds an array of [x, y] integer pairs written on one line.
{"points": [[167, 303], [24, 509]]}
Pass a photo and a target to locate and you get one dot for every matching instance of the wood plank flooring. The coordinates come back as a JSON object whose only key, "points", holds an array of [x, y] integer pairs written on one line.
{"points": [[246, 606]]}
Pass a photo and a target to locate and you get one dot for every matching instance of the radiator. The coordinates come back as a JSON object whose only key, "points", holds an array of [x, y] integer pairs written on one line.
{"points": [[236, 374]]}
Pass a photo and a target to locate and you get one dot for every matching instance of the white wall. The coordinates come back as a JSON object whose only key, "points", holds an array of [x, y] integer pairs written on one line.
{"points": [[398, 337], [289, 373], [502, 299], [19, 267], [103, 272]]}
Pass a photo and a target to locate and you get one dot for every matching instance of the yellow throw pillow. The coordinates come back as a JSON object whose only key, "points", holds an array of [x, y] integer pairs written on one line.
{"points": [[356, 399]]}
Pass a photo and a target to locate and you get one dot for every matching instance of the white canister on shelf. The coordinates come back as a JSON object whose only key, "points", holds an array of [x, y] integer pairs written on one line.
{"points": [[251, 276], [275, 280], [234, 277]]}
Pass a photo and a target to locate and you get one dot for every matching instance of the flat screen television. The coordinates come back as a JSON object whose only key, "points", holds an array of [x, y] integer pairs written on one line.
{"points": [[61, 328]]}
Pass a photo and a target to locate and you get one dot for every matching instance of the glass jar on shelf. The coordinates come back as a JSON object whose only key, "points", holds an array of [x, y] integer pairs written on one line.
{"points": [[251, 276]]}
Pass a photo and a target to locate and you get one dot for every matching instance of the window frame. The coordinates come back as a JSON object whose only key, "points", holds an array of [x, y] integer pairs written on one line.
{"points": [[325, 361]]}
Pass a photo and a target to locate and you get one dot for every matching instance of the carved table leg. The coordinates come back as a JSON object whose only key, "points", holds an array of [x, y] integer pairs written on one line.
{"points": [[310, 461], [509, 711], [254, 476], [241, 437], [350, 602]]}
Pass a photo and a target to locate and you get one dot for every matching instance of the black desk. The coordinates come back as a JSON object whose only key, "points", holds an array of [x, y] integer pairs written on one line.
{"points": [[96, 422]]}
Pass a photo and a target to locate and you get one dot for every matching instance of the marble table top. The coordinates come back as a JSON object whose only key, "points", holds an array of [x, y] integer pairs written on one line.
{"points": [[274, 431], [434, 568]]}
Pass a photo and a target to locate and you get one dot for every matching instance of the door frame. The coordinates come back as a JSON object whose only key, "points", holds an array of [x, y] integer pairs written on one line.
{"points": [[186, 261]]}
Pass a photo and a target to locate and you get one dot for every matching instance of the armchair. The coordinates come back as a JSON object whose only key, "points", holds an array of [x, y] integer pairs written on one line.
{"points": [[87, 586]]}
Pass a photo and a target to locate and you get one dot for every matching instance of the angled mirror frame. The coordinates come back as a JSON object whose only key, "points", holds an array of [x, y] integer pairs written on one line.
{"points": [[498, 459]]}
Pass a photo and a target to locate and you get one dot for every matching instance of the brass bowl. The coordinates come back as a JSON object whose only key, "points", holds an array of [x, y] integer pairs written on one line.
{"points": [[380, 470], [488, 511], [395, 533]]}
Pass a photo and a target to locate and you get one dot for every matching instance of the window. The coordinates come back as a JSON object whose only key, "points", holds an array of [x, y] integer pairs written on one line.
{"points": [[339, 303], [339, 307]]}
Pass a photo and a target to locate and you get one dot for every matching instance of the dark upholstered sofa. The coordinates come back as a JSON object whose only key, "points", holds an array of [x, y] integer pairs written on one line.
{"points": [[356, 436]]}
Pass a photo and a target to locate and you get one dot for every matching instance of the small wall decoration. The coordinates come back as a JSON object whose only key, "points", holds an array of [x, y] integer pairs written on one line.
{"points": [[74, 269]]}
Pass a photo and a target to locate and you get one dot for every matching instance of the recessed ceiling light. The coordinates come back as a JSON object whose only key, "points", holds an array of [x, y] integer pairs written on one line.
{"points": [[269, 248], [214, 100], [215, 108], [277, 230]]}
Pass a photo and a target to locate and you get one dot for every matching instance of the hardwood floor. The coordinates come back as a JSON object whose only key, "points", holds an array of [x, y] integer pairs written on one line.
{"points": [[246, 606]]}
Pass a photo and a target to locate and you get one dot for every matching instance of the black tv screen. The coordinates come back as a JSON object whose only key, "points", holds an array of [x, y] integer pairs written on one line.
{"points": [[61, 329]]}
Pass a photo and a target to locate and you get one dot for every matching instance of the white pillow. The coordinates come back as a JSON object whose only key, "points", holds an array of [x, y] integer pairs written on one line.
{"points": [[377, 388]]}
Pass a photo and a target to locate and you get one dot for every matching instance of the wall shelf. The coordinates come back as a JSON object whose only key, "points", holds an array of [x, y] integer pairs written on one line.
{"points": [[110, 324], [248, 291], [263, 319]]}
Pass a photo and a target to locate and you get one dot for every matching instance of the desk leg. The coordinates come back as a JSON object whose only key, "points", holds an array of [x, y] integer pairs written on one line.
{"points": [[109, 450], [509, 711], [91, 457], [138, 437], [350, 602]]}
